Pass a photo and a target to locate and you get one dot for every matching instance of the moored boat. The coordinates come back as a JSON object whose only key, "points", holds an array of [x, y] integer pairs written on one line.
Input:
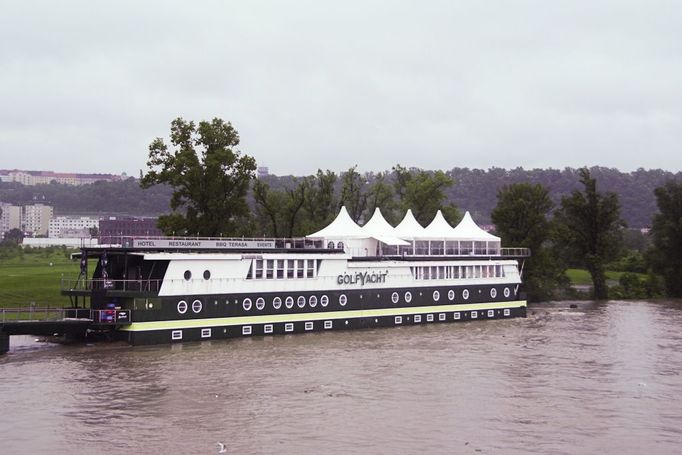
{"points": [[166, 289]]}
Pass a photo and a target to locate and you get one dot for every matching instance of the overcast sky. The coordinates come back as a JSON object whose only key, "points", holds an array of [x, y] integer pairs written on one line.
{"points": [[86, 85]]}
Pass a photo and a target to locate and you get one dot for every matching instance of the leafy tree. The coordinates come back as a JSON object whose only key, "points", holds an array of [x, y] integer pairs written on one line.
{"points": [[590, 228], [353, 194], [424, 193], [280, 207], [521, 219], [209, 176], [320, 203], [666, 254], [380, 194], [14, 235]]}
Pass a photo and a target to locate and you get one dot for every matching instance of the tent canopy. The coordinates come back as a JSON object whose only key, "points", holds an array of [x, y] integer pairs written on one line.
{"points": [[342, 227], [409, 227], [467, 229]]}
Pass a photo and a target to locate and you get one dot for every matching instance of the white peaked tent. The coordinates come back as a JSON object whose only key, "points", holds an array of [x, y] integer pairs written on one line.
{"points": [[439, 228], [467, 229], [378, 228], [409, 227], [343, 227]]}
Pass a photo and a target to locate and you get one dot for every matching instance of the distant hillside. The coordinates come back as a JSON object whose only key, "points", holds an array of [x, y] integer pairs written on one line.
{"points": [[474, 190]]}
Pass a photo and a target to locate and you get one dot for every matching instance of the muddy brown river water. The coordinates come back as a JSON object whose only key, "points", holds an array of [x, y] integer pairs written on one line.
{"points": [[602, 378]]}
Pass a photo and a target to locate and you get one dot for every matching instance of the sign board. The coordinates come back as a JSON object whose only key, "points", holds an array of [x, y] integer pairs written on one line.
{"points": [[189, 244]]}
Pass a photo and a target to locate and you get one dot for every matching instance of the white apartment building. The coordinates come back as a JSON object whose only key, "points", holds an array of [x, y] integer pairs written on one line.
{"points": [[36, 219], [71, 226], [10, 217]]}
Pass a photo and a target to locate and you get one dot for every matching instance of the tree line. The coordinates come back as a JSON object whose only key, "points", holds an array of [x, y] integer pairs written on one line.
{"points": [[201, 184]]}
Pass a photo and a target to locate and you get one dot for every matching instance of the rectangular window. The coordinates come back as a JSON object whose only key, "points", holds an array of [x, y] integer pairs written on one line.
{"points": [[300, 268], [398, 319], [455, 271], [310, 268], [289, 327], [270, 269], [429, 318], [267, 328], [417, 318], [474, 314], [457, 316], [327, 324], [176, 335], [477, 271], [280, 268], [434, 273], [246, 330], [309, 326], [259, 268], [491, 313], [507, 312], [425, 270], [441, 317], [441, 272], [205, 333], [290, 268]]}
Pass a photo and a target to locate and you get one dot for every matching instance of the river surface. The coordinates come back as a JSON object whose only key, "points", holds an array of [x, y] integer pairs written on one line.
{"points": [[602, 378]]}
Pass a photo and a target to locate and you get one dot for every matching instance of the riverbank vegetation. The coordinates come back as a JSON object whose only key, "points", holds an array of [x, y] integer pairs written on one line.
{"points": [[586, 219]]}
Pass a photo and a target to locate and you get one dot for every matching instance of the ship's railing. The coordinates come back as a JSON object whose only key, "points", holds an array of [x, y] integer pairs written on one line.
{"points": [[33, 313], [208, 243], [73, 284]]}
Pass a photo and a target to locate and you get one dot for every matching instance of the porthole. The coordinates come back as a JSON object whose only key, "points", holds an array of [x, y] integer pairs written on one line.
{"points": [[197, 306], [506, 292], [260, 303], [246, 304], [182, 307], [343, 300], [289, 302], [324, 300], [436, 296], [408, 297], [300, 301], [312, 301], [451, 295], [277, 303], [465, 294], [395, 297], [188, 275], [207, 274], [493, 293]]}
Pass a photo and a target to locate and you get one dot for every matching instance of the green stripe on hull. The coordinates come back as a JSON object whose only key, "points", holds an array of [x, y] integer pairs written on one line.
{"points": [[299, 317]]}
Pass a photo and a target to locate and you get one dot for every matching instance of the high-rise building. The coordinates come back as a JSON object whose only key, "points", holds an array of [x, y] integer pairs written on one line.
{"points": [[36, 219], [10, 217]]}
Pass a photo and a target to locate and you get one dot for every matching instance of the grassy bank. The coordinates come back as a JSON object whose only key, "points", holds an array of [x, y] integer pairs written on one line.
{"points": [[35, 276], [581, 277]]}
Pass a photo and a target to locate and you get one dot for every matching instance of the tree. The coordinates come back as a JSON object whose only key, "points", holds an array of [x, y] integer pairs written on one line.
{"points": [[353, 194], [209, 176], [280, 207], [320, 203], [521, 219], [589, 226], [14, 235], [666, 254], [424, 193]]}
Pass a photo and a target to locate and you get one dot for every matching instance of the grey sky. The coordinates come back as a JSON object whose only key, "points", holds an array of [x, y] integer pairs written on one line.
{"points": [[86, 85]]}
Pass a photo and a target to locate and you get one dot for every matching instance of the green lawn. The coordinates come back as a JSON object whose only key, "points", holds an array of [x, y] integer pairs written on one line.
{"points": [[582, 276], [31, 278]]}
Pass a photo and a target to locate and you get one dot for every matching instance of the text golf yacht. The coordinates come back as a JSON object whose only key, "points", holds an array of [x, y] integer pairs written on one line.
{"points": [[163, 289]]}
